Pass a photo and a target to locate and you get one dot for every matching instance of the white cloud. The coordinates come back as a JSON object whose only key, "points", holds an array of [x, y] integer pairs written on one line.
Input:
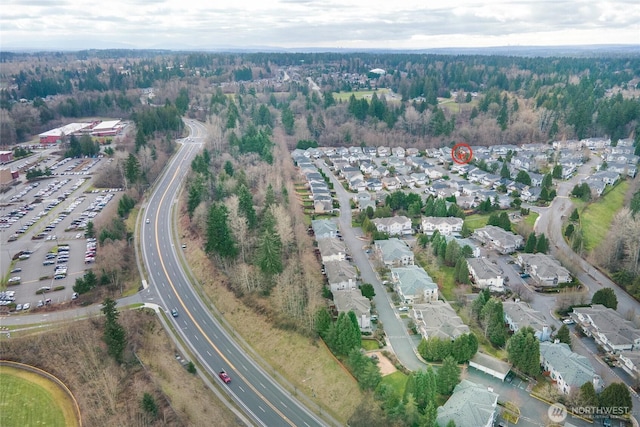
{"points": [[410, 24]]}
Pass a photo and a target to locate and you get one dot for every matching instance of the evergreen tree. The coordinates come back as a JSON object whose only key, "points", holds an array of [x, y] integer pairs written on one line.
{"points": [[493, 322], [606, 297], [452, 253], [530, 246], [440, 208], [132, 169], [542, 246], [568, 232], [504, 171], [563, 335], [269, 252], [448, 376], [114, 334], [575, 216], [462, 271], [557, 172], [219, 238], [523, 178], [523, 350], [587, 395], [616, 395], [503, 221], [245, 205], [323, 322]]}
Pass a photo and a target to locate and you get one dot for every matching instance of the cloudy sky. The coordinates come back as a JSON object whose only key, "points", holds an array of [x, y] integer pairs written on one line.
{"points": [[366, 24]]}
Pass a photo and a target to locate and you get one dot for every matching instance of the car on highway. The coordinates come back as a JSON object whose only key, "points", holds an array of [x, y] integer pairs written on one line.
{"points": [[224, 377], [147, 220], [174, 312]]}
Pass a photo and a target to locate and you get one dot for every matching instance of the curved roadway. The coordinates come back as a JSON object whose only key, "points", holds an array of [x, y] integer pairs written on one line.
{"points": [[263, 400]]}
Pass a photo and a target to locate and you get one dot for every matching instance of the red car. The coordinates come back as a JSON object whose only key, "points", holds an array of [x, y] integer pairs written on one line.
{"points": [[224, 377]]}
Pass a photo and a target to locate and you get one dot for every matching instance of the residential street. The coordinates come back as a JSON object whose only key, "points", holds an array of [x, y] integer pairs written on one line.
{"points": [[403, 345]]}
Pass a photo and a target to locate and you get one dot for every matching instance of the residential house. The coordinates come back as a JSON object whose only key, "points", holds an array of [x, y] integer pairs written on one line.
{"points": [[503, 241], [606, 176], [438, 319], [420, 178], [596, 143], [383, 151], [518, 315], [399, 152], [374, 184], [394, 226], [544, 269], [332, 249], [379, 172], [536, 179], [567, 369], [341, 275], [394, 252], [530, 193], [470, 404], [623, 169], [412, 152], [630, 362], [324, 228], [462, 242], [322, 206], [485, 275], [414, 285], [367, 167], [596, 186], [352, 300], [445, 225], [608, 328], [391, 183]]}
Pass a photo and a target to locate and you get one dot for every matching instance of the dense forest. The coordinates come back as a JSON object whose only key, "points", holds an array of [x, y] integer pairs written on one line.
{"points": [[420, 99]]}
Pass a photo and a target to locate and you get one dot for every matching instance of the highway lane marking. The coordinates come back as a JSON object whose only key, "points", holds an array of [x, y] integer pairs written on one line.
{"points": [[180, 300], [209, 353], [262, 409], [240, 387]]}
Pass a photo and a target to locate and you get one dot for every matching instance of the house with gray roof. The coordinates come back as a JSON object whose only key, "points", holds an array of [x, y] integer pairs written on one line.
{"points": [[352, 300], [341, 275], [503, 241], [324, 228], [438, 319], [630, 362], [567, 369], [444, 225], [399, 225], [485, 275], [394, 252], [608, 328], [414, 285], [518, 315], [470, 404], [544, 269], [332, 249]]}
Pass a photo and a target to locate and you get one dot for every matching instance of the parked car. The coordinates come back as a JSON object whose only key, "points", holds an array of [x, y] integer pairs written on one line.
{"points": [[403, 308], [16, 270], [568, 321]]}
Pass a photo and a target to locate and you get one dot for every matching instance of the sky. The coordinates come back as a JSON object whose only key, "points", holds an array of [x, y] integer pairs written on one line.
{"points": [[299, 24]]}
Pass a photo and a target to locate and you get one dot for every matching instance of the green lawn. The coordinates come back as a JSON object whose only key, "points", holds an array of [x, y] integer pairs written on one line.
{"points": [[27, 403], [476, 221], [597, 216], [370, 345], [531, 219], [359, 94], [397, 380]]}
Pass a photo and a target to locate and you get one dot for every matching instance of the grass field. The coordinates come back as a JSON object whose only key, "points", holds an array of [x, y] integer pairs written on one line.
{"points": [[397, 380], [476, 221], [531, 219], [597, 216], [359, 94], [27, 399]]}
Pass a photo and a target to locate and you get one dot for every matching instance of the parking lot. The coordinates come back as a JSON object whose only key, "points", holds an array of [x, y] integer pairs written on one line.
{"points": [[42, 233]]}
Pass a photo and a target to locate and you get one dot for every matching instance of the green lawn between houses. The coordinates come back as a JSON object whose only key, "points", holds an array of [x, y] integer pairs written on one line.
{"points": [[596, 217]]}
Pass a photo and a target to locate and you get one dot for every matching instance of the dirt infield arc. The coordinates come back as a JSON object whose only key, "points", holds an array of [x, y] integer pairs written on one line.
{"points": [[72, 412]]}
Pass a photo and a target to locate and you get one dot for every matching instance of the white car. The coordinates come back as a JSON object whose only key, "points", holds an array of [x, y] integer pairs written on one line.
{"points": [[26, 306], [403, 308], [147, 220], [568, 321]]}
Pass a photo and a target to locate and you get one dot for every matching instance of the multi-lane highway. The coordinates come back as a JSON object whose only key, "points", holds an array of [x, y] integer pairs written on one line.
{"points": [[264, 401]]}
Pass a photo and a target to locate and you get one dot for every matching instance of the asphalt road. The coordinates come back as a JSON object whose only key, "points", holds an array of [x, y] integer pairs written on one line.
{"points": [[263, 400]]}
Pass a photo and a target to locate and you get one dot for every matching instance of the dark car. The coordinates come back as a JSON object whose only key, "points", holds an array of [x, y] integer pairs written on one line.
{"points": [[174, 312], [224, 377]]}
